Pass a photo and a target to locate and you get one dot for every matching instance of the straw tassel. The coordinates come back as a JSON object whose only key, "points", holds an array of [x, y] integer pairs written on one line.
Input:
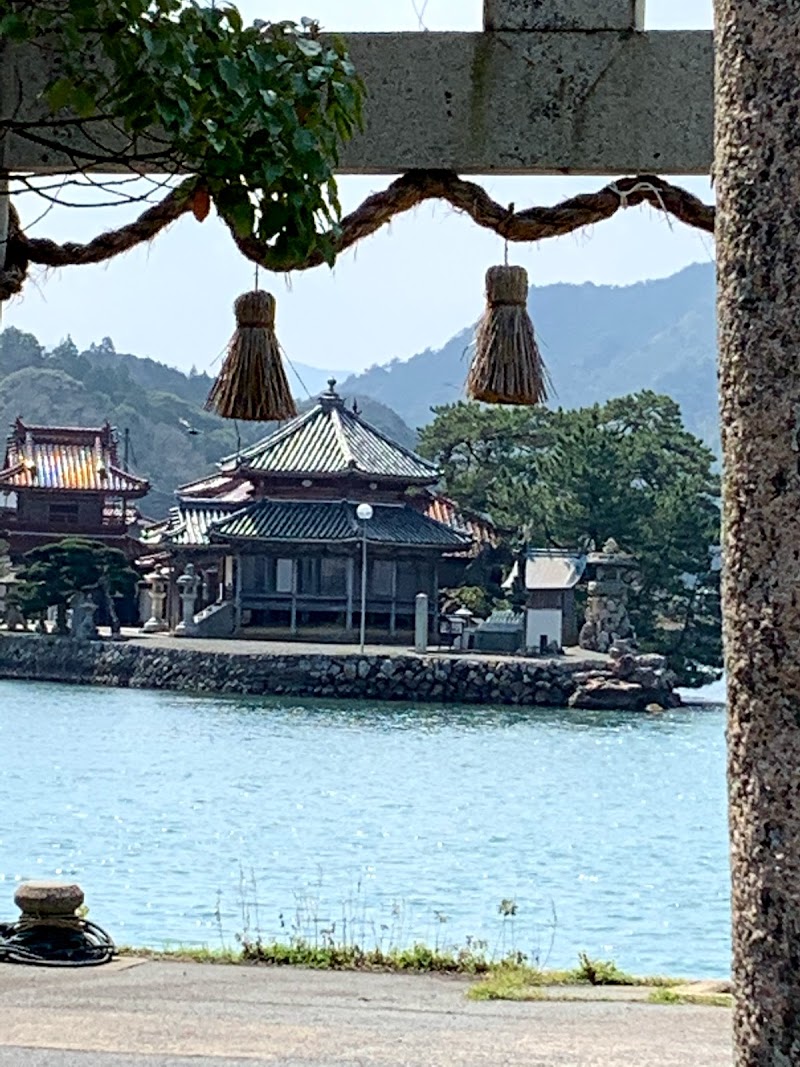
{"points": [[252, 384], [507, 367]]}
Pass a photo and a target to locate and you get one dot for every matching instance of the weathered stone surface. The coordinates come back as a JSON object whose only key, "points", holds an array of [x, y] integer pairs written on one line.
{"points": [[625, 666], [758, 196], [643, 676], [558, 15], [652, 660], [48, 899], [404, 677], [601, 693], [481, 103]]}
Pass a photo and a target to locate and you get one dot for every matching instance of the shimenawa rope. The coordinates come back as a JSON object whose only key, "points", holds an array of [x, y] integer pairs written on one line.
{"points": [[413, 188]]}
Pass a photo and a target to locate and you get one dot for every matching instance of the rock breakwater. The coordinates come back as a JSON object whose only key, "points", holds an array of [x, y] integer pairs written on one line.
{"points": [[627, 682]]}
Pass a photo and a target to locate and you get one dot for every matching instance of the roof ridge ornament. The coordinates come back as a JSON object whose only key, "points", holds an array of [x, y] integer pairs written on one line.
{"points": [[330, 399]]}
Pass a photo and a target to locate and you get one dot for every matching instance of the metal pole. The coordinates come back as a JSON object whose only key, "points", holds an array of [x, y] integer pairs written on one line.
{"points": [[363, 584]]}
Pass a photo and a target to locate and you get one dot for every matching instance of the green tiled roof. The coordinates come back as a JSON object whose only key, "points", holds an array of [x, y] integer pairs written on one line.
{"points": [[335, 521], [189, 523], [330, 440]]}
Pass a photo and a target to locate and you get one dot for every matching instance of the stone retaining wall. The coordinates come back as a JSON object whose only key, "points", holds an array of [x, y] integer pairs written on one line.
{"points": [[437, 678]]}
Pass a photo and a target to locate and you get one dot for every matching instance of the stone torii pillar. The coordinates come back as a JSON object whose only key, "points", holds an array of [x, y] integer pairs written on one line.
{"points": [[758, 180]]}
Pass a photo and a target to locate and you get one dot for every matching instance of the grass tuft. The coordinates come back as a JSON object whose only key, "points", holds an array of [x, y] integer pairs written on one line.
{"points": [[512, 981], [601, 972], [509, 983], [672, 996], [419, 959]]}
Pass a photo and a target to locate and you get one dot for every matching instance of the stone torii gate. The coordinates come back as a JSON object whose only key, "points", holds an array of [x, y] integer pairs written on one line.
{"points": [[577, 86]]}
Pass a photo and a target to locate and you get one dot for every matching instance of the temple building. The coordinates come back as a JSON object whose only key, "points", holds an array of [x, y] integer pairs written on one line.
{"points": [[277, 546], [66, 481]]}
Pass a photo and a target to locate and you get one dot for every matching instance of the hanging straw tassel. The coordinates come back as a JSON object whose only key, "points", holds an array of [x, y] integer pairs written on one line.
{"points": [[252, 384], [507, 367]]}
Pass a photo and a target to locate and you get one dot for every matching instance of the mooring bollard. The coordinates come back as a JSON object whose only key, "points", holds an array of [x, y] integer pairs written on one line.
{"points": [[50, 931], [41, 902]]}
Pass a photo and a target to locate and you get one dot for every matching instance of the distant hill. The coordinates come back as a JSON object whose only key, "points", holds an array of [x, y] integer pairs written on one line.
{"points": [[172, 439], [598, 341]]}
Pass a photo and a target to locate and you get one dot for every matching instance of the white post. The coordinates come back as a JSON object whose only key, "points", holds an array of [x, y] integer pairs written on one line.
{"points": [[421, 623]]}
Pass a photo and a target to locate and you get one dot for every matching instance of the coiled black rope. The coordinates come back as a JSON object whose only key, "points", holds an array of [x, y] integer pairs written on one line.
{"points": [[55, 942]]}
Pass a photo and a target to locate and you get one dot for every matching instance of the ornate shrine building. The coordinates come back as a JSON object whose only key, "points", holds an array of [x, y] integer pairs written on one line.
{"points": [[59, 481], [275, 541]]}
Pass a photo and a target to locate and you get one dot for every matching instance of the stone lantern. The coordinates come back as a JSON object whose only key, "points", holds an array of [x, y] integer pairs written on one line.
{"points": [[157, 588], [188, 588], [611, 574]]}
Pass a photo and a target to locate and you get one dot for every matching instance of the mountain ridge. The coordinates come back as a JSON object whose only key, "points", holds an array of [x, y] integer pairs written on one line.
{"points": [[173, 440], [597, 341]]}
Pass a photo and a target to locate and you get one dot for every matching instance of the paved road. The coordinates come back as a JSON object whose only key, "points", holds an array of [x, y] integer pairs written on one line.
{"points": [[244, 646], [132, 1014]]}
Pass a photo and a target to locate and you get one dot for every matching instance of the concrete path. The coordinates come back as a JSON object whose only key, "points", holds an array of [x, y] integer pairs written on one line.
{"points": [[244, 646], [138, 1014]]}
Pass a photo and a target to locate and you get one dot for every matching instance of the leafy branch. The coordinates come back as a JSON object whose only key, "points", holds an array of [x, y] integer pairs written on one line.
{"points": [[257, 112]]}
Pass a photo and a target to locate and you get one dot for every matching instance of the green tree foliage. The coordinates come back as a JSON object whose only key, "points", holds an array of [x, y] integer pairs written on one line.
{"points": [[258, 112], [51, 575], [18, 350], [626, 469]]}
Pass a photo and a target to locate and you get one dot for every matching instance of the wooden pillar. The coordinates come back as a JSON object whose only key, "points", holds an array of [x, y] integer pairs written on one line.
{"points": [[293, 615], [393, 608], [237, 568], [435, 601], [348, 625], [757, 170]]}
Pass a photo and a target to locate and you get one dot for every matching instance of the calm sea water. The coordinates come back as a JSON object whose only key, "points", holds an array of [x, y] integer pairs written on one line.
{"points": [[187, 819]]}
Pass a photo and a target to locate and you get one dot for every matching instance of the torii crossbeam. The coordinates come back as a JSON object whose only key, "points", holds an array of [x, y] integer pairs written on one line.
{"points": [[578, 86], [550, 87]]}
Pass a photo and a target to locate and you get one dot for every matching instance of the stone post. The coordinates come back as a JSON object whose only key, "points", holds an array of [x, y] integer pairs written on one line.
{"points": [[82, 624], [157, 589], [557, 15], [421, 623], [188, 584], [757, 171]]}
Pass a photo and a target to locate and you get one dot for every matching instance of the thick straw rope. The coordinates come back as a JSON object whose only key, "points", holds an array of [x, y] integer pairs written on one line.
{"points": [[415, 187]]}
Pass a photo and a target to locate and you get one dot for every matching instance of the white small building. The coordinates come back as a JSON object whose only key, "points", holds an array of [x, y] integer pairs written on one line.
{"points": [[549, 577]]}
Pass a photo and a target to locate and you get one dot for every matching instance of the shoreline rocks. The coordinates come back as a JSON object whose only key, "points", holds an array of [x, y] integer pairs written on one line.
{"points": [[627, 683]]}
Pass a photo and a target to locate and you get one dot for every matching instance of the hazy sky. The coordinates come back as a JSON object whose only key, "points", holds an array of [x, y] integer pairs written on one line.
{"points": [[411, 286]]}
